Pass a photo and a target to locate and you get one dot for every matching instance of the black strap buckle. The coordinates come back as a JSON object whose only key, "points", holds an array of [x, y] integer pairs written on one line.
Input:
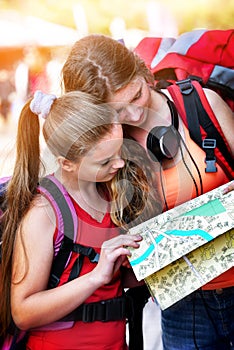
{"points": [[209, 146], [95, 258], [209, 143], [186, 86], [210, 166], [53, 281], [86, 251]]}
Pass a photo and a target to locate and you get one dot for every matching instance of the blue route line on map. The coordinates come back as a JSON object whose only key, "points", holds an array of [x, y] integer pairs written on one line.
{"points": [[180, 233]]}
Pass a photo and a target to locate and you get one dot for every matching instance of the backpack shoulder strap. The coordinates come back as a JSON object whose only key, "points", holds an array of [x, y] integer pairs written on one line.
{"points": [[3, 185], [202, 124], [67, 227], [66, 221], [56, 194]]}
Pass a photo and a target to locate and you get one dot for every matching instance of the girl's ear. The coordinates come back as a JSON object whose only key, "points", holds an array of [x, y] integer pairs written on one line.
{"points": [[65, 164]]}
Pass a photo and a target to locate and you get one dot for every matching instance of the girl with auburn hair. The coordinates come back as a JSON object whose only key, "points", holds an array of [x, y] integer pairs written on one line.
{"points": [[101, 66], [87, 142], [114, 74]]}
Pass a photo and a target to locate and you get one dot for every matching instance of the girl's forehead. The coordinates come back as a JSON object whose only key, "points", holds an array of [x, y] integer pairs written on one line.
{"points": [[127, 93], [116, 133], [109, 143]]}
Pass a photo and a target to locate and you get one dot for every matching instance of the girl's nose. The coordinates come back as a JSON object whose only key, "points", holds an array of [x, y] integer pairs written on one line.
{"points": [[118, 163], [134, 112]]}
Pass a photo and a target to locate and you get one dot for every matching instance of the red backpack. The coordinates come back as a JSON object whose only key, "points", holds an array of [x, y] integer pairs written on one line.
{"points": [[196, 59]]}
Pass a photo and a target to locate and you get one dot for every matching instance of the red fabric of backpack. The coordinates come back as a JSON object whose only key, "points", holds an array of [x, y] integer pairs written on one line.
{"points": [[200, 58], [203, 55]]}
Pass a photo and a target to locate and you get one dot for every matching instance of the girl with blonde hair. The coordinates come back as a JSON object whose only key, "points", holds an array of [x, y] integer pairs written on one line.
{"points": [[87, 142]]}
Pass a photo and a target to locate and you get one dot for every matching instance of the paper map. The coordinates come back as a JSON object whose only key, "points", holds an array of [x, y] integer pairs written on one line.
{"points": [[175, 257], [182, 277]]}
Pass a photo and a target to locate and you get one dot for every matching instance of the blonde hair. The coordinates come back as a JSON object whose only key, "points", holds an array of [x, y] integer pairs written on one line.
{"points": [[74, 124], [100, 65]]}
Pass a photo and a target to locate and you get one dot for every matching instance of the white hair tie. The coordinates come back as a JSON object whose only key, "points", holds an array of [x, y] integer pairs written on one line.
{"points": [[41, 103]]}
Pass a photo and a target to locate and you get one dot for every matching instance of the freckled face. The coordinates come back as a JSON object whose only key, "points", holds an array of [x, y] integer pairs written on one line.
{"points": [[132, 102]]}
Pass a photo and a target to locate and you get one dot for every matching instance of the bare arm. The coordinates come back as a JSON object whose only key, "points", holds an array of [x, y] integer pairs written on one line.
{"points": [[32, 304], [224, 116]]}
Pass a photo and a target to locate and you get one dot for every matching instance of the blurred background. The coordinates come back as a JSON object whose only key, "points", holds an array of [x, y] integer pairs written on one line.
{"points": [[36, 36]]}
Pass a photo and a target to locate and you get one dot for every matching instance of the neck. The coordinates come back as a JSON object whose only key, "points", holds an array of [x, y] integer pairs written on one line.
{"points": [[72, 184], [86, 195]]}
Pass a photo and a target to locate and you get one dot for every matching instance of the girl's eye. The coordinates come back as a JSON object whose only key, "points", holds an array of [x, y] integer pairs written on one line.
{"points": [[138, 95], [105, 163]]}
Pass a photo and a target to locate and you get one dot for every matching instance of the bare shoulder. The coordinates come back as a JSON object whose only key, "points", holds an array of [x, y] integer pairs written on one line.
{"points": [[34, 250], [224, 115], [219, 106], [39, 219]]}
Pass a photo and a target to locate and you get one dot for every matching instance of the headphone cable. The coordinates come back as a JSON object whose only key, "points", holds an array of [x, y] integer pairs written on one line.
{"points": [[195, 164], [162, 186]]}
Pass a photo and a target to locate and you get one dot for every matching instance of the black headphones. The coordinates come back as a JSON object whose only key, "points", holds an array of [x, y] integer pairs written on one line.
{"points": [[163, 141]]}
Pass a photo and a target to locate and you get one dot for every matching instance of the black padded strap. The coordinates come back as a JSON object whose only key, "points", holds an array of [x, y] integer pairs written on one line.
{"points": [[105, 310], [196, 116], [192, 109]]}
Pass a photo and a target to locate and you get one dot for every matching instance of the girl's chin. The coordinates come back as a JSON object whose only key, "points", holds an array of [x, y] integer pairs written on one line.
{"points": [[107, 177], [141, 120], [137, 122]]}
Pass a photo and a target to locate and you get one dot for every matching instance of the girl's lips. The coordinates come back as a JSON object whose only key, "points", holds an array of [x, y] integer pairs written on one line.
{"points": [[114, 172]]}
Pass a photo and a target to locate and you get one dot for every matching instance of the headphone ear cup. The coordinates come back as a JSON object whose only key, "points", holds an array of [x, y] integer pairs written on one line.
{"points": [[162, 142]]}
